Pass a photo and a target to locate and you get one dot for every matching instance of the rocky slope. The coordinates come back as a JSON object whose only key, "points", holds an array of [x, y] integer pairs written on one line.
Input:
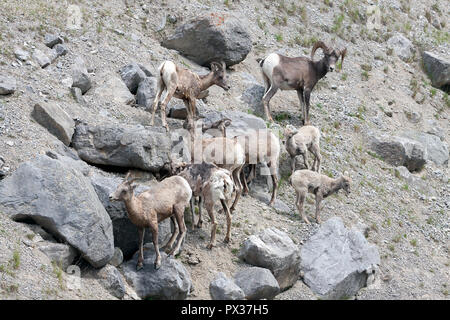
{"points": [[383, 90]]}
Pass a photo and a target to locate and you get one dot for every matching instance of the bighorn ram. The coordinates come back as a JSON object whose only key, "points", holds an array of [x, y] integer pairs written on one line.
{"points": [[186, 85], [211, 184], [300, 74], [167, 198], [320, 185], [298, 142]]}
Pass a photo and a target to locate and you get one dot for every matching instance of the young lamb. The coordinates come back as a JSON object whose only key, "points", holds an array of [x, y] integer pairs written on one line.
{"points": [[167, 198], [183, 84], [299, 141], [320, 185], [211, 184], [299, 73]]}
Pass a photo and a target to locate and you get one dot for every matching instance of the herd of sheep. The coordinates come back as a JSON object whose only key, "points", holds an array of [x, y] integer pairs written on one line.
{"points": [[215, 171]]}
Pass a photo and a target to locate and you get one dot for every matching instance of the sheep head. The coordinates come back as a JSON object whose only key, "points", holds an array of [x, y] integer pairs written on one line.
{"points": [[220, 74], [124, 190]]}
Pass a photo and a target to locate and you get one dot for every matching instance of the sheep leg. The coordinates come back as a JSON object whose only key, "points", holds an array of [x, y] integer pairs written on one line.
{"points": [[244, 182], [318, 200], [228, 215], [302, 103], [179, 215], [140, 263], [293, 162], [212, 241], [266, 99], [252, 173], [157, 263], [273, 174], [318, 158], [305, 160], [307, 96], [169, 243], [200, 209], [169, 94], [301, 195], [237, 182], [190, 118], [191, 205], [160, 89]]}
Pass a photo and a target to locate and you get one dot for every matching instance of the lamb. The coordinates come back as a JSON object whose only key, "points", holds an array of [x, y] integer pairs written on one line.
{"points": [[167, 198], [211, 184], [298, 142], [186, 85], [261, 146], [320, 185], [300, 74]]}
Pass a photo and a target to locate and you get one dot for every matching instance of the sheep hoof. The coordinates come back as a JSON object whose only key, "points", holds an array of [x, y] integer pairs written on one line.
{"points": [[226, 240], [210, 246], [139, 266], [199, 225], [157, 265]]}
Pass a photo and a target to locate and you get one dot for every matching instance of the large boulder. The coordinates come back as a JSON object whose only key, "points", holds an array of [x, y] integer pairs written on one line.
{"points": [[55, 120], [399, 151], [274, 250], [7, 85], [437, 68], [146, 148], [80, 76], [252, 96], [436, 150], [114, 90], [336, 261], [224, 288], [401, 46], [146, 92], [63, 201], [211, 37], [132, 75], [170, 282], [41, 58], [125, 232], [111, 280], [257, 283]]}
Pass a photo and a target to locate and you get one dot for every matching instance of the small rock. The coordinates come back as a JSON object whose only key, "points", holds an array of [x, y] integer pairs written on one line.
{"points": [[60, 49], [80, 76], [51, 40], [78, 95], [61, 253], [21, 54], [132, 75], [117, 258], [111, 280], [7, 85], [257, 283], [402, 47], [223, 288], [41, 58]]}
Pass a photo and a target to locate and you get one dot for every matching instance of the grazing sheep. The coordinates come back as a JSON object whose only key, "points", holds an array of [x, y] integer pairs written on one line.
{"points": [[300, 74], [299, 141], [183, 84], [167, 198], [211, 184], [320, 185]]}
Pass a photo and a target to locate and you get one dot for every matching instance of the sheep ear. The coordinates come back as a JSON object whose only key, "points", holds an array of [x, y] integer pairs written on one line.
{"points": [[317, 45], [128, 175]]}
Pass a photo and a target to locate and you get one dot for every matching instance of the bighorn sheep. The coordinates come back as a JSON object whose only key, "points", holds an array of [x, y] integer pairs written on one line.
{"points": [[211, 184], [298, 142], [186, 85], [167, 198], [320, 185], [260, 146], [300, 74]]}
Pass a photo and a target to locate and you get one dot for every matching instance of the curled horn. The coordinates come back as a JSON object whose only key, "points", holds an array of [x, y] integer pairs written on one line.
{"points": [[318, 44], [342, 53], [215, 63], [127, 178], [224, 66]]}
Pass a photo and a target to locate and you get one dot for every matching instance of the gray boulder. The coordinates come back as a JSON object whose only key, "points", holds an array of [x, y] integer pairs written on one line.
{"points": [[63, 201], [41, 58], [257, 283], [51, 40], [399, 151], [132, 75], [78, 95], [117, 258], [61, 253], [170, 282], [80, 75], [436, 150], [224, 288], [125, 232], [211, 37], [146, 92], [336, 261], [252, 96], [437, 68], [114, 90], [7, 85], [55, 120], [401, 46], [146, 148], [60, 50], [274, 250], [21, 54], [111, 280]]}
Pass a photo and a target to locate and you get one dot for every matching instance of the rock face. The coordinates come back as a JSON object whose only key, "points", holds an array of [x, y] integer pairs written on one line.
{"points": [[402, 47], [132, 75], [336, 261], [257, 283], [125, 232], [274, 250], [211, 37], [399, 151], [112, 281], [55, 120], [63, 201], [146, 92], [438, 69], [7, 85], [170, 282], [146, 148], [224, 288], [61, 253]]}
